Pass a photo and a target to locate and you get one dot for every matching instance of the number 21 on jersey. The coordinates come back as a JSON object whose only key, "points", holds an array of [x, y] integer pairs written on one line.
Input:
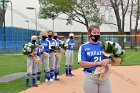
{"points": [[96, 59]]}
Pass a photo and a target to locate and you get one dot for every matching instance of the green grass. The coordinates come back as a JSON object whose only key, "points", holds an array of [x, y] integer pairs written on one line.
{"points": [[17, 63], [131, 57], [12, 63]]}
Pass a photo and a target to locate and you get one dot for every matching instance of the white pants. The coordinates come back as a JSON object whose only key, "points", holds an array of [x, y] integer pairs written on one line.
{"points": [[92, 85], [31, 65], [52, 60], [58, 56], [69, 57], [45, 61]]}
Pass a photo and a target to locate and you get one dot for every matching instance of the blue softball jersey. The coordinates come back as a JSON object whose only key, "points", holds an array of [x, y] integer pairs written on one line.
{"points": [[37, 48], [51, 40], [71, 44], [58, 42], [92, 53], [46, 44]]}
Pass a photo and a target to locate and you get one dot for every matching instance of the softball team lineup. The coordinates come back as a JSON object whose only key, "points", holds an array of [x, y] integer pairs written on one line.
{"points": [[94, 57], [48, 51]]}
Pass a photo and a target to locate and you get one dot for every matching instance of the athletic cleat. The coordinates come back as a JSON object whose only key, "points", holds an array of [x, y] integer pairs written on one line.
{"points": [[46, 80], [67, 75], [35, 85], [71, 75], [51, 80], [58, 77], [53, 77], [28, 86], [38, 82]]}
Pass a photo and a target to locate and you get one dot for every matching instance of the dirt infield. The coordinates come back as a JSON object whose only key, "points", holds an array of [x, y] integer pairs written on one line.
{"points": [[125, 79]]}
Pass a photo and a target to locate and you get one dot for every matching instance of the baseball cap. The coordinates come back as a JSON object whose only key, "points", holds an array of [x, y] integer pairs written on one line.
{"points": [[71, 34]]}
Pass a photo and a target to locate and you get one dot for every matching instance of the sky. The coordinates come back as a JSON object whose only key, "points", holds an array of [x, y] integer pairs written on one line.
{"points": [[21, 14]]}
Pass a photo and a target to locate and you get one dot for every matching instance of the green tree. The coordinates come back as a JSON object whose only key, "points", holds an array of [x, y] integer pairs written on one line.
{"points": [[120, 8], [84, 12]]}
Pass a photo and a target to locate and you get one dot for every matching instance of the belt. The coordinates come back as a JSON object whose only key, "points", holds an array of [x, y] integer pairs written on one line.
{"points": [[89, 71], [70, 49], [51, 51]]}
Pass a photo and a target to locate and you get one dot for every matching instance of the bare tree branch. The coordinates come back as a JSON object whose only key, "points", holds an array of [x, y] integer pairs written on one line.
{"points": [[111, 23]]}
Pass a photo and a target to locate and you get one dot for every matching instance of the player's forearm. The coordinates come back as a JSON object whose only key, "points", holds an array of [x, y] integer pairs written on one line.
{"points": [[85, 64]]}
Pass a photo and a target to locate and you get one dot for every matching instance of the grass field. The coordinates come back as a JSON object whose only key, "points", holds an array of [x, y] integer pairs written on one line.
{"points": [[17, 63]]}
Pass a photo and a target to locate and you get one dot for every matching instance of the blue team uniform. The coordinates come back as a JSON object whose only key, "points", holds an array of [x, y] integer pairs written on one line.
{"points": [[92, 53], [58, 42], [37, 48], [69, 57], [57, 60], [71, 44], [32, 65], [46, 45], [46, 48], [51, 41], [52, 57]]}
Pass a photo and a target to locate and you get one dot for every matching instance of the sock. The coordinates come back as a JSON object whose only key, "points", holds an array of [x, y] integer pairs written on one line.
{"points": [[47, 75], [38, 76], [33, 79], [56, 72], [70, 69], [27, 79], [51, 73], [67, 70]]}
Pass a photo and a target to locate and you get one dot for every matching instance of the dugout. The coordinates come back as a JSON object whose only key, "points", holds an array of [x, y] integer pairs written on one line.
{"points": [[81, 37]]}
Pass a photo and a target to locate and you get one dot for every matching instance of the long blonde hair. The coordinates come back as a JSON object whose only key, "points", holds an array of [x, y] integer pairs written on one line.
{"points": [[44, 33]]}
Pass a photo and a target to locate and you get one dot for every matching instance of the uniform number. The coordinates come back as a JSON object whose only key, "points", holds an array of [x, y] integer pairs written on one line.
{"points": [[96, 59]]}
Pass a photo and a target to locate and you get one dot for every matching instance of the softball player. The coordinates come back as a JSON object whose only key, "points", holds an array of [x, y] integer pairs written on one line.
{"points": [[90, 56], [52, 54], [57, 57], [69, 55], [44, 58], [31, 65]]}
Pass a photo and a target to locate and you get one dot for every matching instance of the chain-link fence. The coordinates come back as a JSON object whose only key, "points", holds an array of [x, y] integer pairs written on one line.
{"points": [[12, 39], [130, 41]]}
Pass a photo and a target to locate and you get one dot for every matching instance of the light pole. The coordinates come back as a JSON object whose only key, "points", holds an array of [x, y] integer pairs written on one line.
{"points": [[7, 1], [11, 12], [32, 8], [4, 9], [28, 24], [3, 4], [28, 29], [53, 24]]}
